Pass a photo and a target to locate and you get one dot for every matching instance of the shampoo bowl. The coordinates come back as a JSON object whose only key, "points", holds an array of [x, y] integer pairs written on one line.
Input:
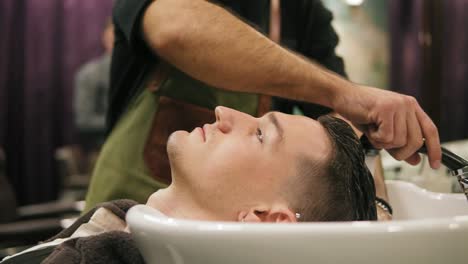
{"points": [[428, 228]]}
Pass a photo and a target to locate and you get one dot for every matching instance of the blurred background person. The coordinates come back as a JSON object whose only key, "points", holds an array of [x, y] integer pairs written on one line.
{"points": [[91, 99], [91, 92]]}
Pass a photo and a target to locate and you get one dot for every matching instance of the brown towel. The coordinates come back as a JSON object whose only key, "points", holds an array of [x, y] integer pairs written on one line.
{"points": [[106, 248], [109, 247], [117, 207]]}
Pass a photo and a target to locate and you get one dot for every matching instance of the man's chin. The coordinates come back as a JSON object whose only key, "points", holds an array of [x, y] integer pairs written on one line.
{"points": [[175, 142]]}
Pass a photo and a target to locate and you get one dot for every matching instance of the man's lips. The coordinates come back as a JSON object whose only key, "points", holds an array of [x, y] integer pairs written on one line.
{"points": [[202, 130], [207, 131]]}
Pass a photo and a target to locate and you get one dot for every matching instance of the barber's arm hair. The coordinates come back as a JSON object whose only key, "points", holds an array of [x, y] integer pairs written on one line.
{"points": [[212, 45]]}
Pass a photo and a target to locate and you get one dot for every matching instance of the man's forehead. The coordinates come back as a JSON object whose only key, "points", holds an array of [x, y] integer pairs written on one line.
{"points": [[287, 120], [304, 134]]}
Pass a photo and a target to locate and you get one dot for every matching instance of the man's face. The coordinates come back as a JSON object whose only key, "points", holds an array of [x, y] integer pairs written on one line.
{"points": [[240, 160]]}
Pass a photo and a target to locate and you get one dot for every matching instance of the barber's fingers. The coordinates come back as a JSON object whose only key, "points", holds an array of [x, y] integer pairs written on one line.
{"points": [[396, 137], [381, 133], [400, 126], [414, 159], [414, 140], [431, 134]]}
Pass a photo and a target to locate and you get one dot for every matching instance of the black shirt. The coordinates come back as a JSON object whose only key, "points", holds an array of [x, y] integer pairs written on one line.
{"points": [[306, 29]]}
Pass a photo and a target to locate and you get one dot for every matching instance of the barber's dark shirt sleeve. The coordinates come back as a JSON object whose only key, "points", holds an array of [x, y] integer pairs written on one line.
{"points": [[318, 39], [131, 57], [127, 16]]}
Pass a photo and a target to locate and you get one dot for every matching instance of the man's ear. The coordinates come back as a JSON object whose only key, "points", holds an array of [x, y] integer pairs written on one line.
{"points": [[271, 215]]}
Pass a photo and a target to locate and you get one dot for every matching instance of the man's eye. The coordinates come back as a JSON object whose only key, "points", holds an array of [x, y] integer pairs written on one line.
{"points": [[260, 135]]}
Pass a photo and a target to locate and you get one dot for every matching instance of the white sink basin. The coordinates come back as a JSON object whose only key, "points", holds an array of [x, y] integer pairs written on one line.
{"points": [[429, 228]]}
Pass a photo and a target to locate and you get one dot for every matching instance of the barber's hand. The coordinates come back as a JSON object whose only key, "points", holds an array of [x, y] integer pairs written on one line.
{"points": [[391, 121]]}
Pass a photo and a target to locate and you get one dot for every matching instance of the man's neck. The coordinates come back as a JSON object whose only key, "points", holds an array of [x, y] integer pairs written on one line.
{"points": [[178, 204]]}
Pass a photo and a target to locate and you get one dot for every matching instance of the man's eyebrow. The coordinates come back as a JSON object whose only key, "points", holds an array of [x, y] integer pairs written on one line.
{"points": [[279, 129]]}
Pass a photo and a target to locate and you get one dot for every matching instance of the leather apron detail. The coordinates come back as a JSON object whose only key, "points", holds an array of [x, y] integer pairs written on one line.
{"points": [[172, 115]]}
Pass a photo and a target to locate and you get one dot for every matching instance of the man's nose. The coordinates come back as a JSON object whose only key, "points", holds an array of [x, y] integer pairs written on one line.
{"points": [[227, 118], [224, 118]]}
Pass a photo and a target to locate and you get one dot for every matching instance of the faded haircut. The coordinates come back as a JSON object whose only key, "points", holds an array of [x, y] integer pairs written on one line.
{"points": [[340, 189]]}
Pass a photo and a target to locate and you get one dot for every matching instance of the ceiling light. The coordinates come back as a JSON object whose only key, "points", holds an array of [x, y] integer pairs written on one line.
{"points": [[354, 2]]}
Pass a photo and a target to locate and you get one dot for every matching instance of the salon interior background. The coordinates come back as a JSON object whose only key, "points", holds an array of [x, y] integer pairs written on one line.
{"points": [[417, 47]]}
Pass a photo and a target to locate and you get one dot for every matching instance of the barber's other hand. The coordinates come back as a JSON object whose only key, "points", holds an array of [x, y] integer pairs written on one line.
{"points": [[391, 121]]}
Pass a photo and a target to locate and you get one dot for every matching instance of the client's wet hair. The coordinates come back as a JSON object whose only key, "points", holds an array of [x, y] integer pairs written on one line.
{"points": [[342, 189]]}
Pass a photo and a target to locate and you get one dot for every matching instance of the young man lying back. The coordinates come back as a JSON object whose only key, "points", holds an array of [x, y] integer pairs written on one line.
{"points": [[267, 169], [277, 168]]}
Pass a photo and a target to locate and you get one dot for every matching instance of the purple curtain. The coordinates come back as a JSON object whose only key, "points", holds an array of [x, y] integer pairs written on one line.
{"points": [[429, 43], [44, 43], [406, 51], [454, 94], [6, 14]]}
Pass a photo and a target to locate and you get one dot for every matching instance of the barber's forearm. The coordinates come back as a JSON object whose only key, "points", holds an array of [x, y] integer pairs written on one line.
{"points": [[212, 45]]}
